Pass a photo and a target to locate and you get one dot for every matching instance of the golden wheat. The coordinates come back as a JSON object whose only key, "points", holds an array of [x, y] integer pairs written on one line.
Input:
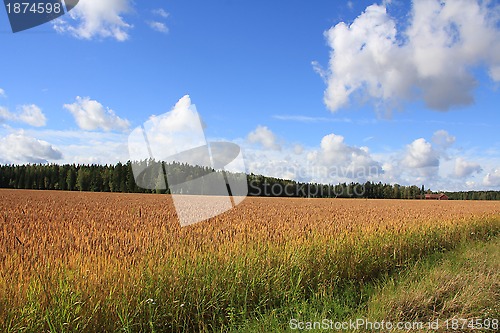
{"points": [[103, 244]]}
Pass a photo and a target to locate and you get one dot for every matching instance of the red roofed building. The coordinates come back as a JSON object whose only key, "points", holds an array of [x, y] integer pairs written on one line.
{"points": [[440, 196]]}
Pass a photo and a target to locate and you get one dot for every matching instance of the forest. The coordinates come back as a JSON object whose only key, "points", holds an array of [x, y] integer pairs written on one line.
{"points": [[120, 178]]}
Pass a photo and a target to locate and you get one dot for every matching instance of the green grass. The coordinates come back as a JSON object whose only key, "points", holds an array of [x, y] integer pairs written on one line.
{"points": [[445, 287], [462, 284]]}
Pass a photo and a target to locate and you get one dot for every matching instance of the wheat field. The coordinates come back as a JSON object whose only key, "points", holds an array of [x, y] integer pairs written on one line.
{"points": [[95, 262]]}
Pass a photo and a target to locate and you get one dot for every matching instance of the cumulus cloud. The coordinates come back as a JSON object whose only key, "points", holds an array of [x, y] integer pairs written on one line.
{"points": [[2, 93], [179, 119], [492, 178], [265, 137], [344, 161], [465, 168], [443, 139], [32, 115], [174, 132], [158, 26], [91, 115], [29, 114], [96, 19], [421, 158], [20, 148], [298, 149], [432, 59], [277, 163], [79, 146], [334, 160]]}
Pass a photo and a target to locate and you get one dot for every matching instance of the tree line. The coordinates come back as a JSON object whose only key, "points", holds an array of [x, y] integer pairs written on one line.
{"points": [[120, 178]]}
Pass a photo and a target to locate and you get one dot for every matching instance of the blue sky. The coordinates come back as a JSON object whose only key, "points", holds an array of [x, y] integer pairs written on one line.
{"points": [[391, 91]]}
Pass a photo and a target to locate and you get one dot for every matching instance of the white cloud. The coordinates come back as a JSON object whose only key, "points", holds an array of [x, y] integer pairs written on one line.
{"points": [[2, 93], [298, 149], [168, 134], [432, 59], [20, 148], [334, 149], [492, 179], [179, 119], [32, 115], [420, 154], [333, 161], [161, 12], [465, 168], [343, 160], [96, 19], [29, 114], [421, 159], [5, 114], [265, 137], [91, 115], [158, 26], [274, 163], [437, 165], [443, 139], [79, 146]]}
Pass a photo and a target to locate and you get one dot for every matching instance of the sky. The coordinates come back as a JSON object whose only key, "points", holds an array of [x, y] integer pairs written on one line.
{"points": [[325, 91]]}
